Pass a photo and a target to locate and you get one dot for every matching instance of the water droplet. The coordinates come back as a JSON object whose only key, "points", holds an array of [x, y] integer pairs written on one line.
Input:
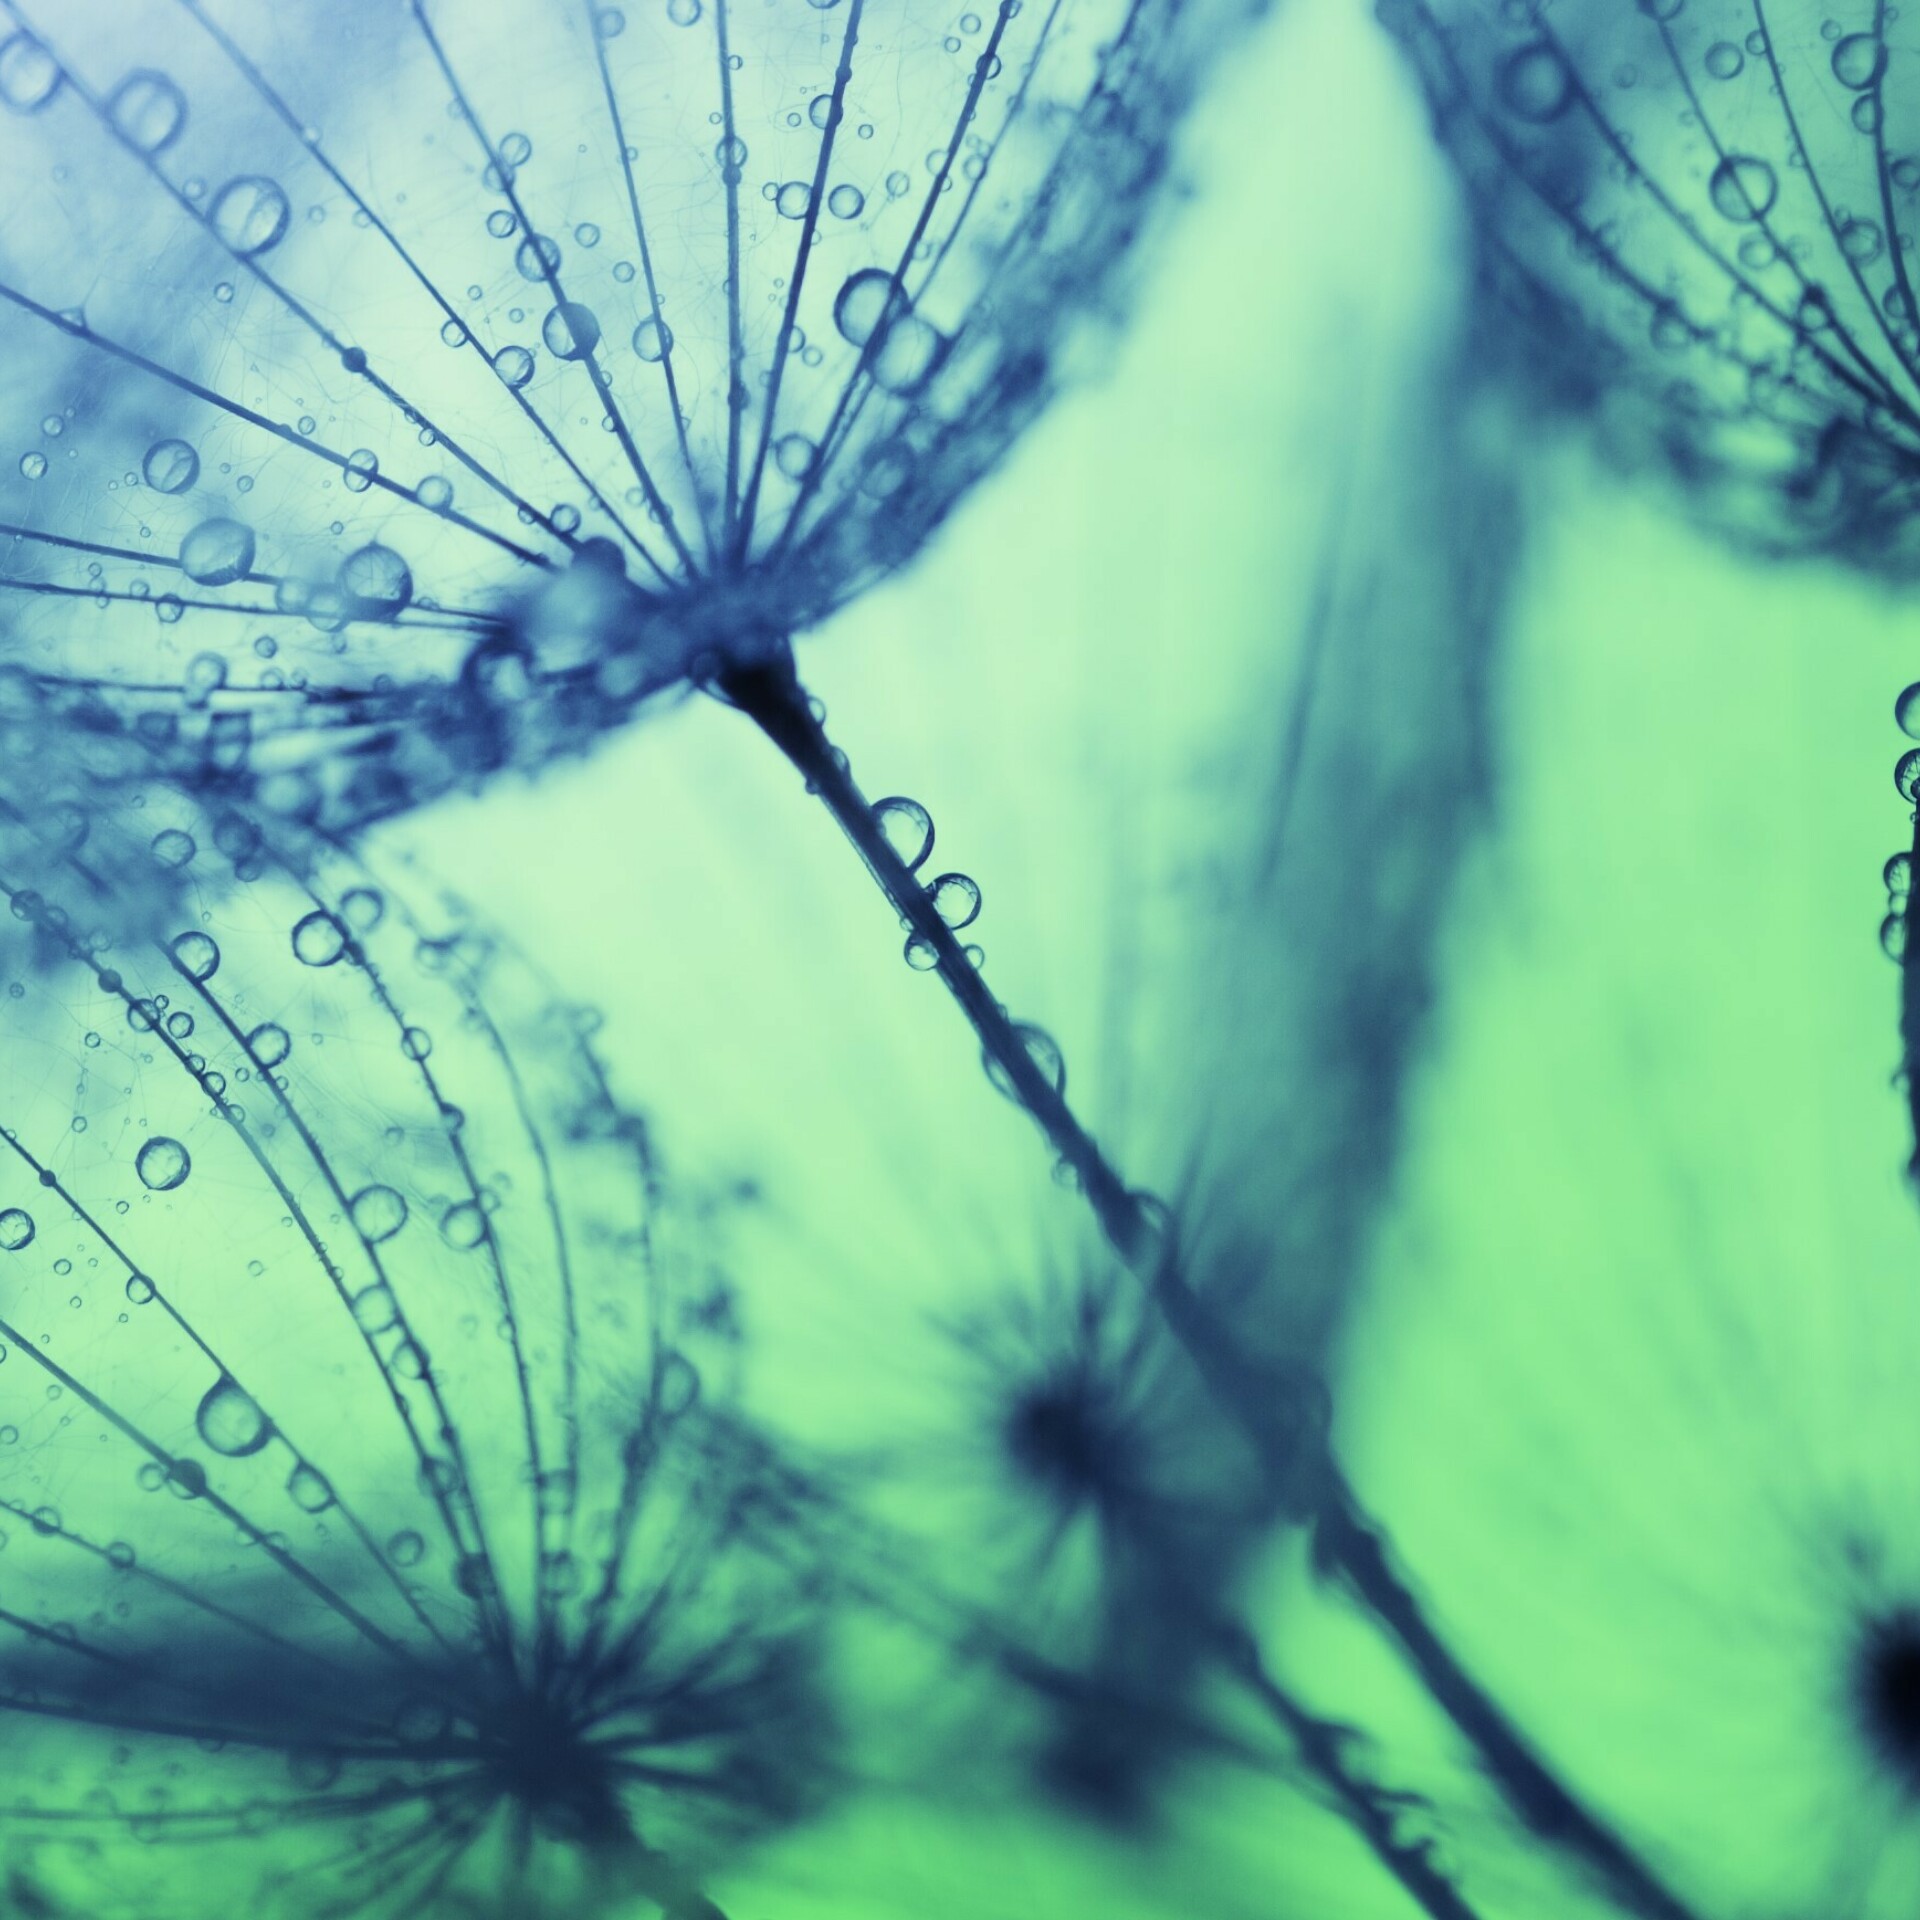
{"points": [[1897, 874], [34, 465], [1858, 60], [846, 202], [571, 331], [217, 553], [435, 493], [376, 583], [171, 466], [464, 1224], [198, 955], [1534, 83], [794, 455], [139, 1289], [16, 1229], [230, 1420], [920, 953], [406, 1549], [1906, 711], [1724, 60], [309, 1489], [1906, 774], [1044, 1052], [683, 13], [375, 1310], [514, 365], [147, 110], [1743, 188], [162, 1164], [868, 301], [653, 339], [363, 464], [318, 939], [956, 899], [1893, 935], [790, 202], [29, 74], [250, 215], [378, 1213], [270, 1044], [537, 256], [908, 828]]}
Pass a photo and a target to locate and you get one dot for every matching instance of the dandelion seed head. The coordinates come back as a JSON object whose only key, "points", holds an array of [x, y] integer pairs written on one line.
{"points": [[357, 1353], [370, 367], [1697, 222]]}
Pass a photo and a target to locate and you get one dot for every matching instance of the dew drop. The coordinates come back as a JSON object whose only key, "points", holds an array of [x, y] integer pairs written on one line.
{"points": [[406, 1549], [376, 583], [162, 1164], [1724, 60], [33, 466], [908, 828], [571, 331], [270, 1044], [684, 13], [653, 339], [16, 1229], [846, 202], [309, 1489], [230, 1420], [868, 301], [514, 365], [464, 1224], [955, 897], [1906, 774], [250, 215], [1743, 188], [1858, 60], [1906, 711], [147, 111], [198, 955], [1534, 83], [378, 1213], [29, 74], [217, 553], [139, 1289], [794, 454], [318, 939], [1893, 935], [363, 465], [1043, 1050]]}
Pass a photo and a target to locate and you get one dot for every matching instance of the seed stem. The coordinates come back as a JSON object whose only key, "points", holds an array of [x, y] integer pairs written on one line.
{"points": [[1278, 1420]]}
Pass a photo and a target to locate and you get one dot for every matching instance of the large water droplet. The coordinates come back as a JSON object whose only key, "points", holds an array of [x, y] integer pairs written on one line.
{"points": [[1534, 84], [171, 466], [653, 339], [571, 331], [1858, 60], [198, 955], [869, 300], [250, 214], [162, 1164], [309, 1489], [147, 110], [908, 828], [16, 1229], [956, 899], [514, 365], [376, 582], [217, 553], [230, 1420], [270, 1042], [1043, 1050], [1743, 188], [29, 74], [378, 1213], [318, 939]]}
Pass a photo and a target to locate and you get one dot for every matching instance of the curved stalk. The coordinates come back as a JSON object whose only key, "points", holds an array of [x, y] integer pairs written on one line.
{"points": [[1280, 1424]]}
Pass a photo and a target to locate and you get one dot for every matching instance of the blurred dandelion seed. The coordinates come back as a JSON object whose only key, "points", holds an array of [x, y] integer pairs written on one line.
{"points": [[399, 1526]]}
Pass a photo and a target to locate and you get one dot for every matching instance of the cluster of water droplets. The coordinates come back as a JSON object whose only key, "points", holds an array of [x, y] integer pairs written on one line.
{"points": [[1703, 214]]}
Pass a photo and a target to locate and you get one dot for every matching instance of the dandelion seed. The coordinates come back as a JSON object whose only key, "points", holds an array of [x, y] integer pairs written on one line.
{"points": [[322, 1535]]}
